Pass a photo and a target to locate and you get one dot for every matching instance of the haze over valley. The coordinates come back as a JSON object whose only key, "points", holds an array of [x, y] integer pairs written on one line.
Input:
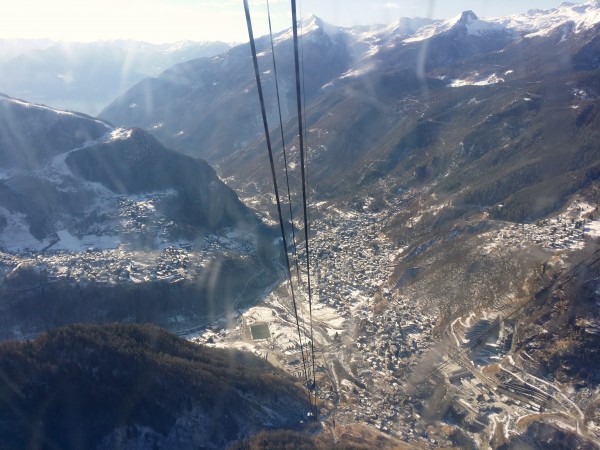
{"points": [[87, 76]]}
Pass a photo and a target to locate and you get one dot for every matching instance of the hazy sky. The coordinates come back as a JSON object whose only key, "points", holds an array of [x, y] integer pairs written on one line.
{"points": [[173, 20]]}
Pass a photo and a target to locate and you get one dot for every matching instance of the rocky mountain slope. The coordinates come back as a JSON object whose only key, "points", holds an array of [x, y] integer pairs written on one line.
{"points": [[453, 170], [134, 386], [220, 93], [389, 94], [57, 166], [84, 204]]}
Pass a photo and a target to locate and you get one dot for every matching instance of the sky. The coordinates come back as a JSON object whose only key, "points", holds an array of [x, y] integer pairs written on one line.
{"points": [[201, 20]]}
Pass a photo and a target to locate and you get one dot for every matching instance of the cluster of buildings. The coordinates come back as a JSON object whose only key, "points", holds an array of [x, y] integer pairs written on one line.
{"points": [[565, 231], [140, 246], [105, 266], [353, 258], [383, 336]]}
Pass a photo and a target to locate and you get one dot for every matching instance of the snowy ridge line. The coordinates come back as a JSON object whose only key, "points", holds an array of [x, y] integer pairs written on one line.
{"points": [[16, 101], [468, 19], [542, 22], [533, 23], [369, 40]]}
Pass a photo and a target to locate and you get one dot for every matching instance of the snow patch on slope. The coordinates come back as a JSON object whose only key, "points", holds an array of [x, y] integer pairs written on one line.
{"points": [[71, 243], [475, 80], [592, 229], [468, 21], [28, 105], [354, 73], [120, 134]]}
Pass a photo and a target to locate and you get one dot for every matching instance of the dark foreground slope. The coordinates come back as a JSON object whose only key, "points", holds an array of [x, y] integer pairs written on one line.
{"points": [[290, 440], [136, 386]]}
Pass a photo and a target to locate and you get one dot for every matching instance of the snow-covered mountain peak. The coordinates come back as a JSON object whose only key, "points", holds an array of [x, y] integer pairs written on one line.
{"points": [[467, 17], [312, 23], [533, 23], [466, 22], [307, 26], [542, 22], [473, 25]]}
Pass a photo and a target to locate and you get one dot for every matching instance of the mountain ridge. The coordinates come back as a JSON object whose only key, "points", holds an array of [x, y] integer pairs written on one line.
{"points": [[359, 52], [86, 76], [111, 215]]}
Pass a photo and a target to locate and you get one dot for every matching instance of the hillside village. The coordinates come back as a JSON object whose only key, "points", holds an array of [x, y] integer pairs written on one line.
{"points": [[120, 255], [371, 340], [566, 231]]}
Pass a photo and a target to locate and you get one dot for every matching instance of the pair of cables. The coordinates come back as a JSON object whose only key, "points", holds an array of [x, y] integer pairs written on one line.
{"points": [[310, 382]]}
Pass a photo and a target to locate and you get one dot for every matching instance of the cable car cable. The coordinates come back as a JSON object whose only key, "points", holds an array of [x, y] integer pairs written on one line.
{"points": [[285, 161], [302, 167], [268, 140]]}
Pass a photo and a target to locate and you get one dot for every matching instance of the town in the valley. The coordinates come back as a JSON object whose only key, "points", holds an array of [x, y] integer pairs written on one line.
{"points": [[372, 345]]}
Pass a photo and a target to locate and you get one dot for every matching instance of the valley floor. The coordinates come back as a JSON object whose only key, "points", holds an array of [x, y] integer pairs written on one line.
{"points": [[389, 361], [376, 347]]}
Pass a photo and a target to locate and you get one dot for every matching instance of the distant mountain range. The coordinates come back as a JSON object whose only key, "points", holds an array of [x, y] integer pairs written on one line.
{"points": [[416, 102], [86, 77], [11, 48]]}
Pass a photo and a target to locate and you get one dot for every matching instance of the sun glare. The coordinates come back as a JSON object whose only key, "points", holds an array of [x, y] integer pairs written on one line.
{"points": [[152, 21], [160, 21]]}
